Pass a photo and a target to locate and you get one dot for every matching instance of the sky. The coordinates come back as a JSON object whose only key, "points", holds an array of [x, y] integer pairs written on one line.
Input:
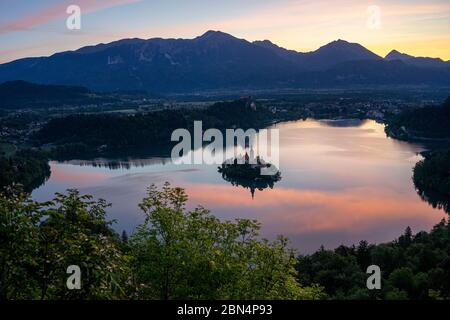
{"points": [[417, 27]]}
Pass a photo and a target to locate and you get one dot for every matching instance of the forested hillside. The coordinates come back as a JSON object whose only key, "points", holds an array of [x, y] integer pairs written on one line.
{"points": [[423, 123], [86, 133]]}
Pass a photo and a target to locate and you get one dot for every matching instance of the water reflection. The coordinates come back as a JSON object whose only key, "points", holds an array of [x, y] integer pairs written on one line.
{"points": [[344, 123], [115, 164], [250, 184], [341, 184]]}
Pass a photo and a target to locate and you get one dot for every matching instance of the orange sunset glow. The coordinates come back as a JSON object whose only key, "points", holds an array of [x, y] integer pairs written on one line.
{"points": [[420, 28]]}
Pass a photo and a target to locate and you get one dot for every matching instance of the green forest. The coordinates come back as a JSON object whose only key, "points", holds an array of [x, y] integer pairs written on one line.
{"points": [[431, 127], [27, 167], [433, 173], [413, 267], [84, 134], [432, 122], [181, 254], [432, 179], [175, 254]]}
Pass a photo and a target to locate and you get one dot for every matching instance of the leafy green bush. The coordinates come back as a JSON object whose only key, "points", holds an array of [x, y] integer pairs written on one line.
{"points": [[175, 254], [179, 254]]}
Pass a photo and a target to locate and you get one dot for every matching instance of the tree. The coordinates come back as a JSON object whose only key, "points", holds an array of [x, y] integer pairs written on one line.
{"points": [[19, 235], [338, 274], [363, 254], [39, 241], [402, 279], [180, 254], [76, 232], [26, 167], [405, 239], [124, 236]]}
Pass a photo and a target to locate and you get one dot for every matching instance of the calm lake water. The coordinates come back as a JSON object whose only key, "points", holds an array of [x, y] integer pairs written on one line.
{"points": [[342, 182]]}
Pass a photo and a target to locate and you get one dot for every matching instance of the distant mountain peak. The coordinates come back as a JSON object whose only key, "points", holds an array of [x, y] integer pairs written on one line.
{"points": [[341, 44], [343, 50], [417, 61], [265, 41], [397, 55], [213, 32], [340, 41], [215, 35], [267, 44], [394, 52]]}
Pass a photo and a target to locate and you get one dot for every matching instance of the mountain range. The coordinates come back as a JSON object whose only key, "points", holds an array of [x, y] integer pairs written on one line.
{"points": [[217, 60]]}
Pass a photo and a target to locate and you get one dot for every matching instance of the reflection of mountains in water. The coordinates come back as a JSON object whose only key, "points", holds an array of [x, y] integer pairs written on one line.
{"points": [[126, 164], [247, 174]]}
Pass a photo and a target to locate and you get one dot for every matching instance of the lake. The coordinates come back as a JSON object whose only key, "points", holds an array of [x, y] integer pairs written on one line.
{"points": [[342, 181]]}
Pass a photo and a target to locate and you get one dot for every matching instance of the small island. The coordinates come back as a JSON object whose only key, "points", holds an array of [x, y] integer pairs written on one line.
{"points": [[250, 172]]}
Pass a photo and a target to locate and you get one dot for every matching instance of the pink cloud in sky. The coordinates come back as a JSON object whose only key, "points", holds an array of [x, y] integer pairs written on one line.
{"points": [[58, 11]]}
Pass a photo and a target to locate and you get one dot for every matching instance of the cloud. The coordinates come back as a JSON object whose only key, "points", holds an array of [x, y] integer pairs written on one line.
{"points": [[58, 11]]}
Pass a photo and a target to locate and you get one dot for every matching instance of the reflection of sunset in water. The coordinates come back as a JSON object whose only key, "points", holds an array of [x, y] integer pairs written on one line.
{"points": [[78, 177], [367, 212], [342, 182]]}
